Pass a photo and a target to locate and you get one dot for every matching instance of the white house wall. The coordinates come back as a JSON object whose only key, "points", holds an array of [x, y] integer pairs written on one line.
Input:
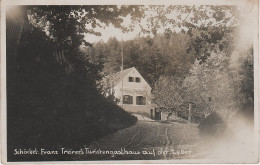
{"points": [[133, 88], [134, 73]]}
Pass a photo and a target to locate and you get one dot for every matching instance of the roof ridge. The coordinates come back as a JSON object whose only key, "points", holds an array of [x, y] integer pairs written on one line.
{"points": [[118, 76], [124, 70]]}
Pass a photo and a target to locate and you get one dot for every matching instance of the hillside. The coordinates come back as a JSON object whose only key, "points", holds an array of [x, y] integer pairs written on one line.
{"points": [[49, 104]]}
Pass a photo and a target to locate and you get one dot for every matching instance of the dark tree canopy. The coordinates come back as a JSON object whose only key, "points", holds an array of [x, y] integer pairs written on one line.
{"points": [[52, 95]]}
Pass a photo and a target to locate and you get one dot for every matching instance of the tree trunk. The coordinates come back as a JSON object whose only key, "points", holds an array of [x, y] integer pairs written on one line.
{"points": [[169, 114], [189, 115]]}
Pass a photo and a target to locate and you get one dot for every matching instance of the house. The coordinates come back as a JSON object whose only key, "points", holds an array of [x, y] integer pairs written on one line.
{"points": [[132, 92]]}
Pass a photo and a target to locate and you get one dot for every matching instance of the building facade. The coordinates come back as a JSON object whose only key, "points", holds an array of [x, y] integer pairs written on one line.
{"points": [[132, 91]]}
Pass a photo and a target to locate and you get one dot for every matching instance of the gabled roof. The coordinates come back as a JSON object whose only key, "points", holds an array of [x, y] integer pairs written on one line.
{"points": [[117, 77]]}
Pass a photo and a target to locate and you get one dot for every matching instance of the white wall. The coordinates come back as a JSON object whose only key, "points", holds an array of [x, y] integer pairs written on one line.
{"points": [[133, 88]]}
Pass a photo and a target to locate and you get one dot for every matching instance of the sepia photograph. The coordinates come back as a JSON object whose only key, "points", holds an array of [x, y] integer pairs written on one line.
{"points": [[130, 82]]}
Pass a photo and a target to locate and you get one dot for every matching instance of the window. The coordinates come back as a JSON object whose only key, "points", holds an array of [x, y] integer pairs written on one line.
{"points": [[140, 100], [137, 79], [131, 79], [127, 99]]}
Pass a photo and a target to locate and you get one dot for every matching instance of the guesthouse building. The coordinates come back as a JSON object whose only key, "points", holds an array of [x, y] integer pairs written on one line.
{"points": [[132, 91]]}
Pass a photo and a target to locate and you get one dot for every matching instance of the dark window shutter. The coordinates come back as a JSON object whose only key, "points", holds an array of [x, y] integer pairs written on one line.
{"points": [[131, 100], [144, 100]]}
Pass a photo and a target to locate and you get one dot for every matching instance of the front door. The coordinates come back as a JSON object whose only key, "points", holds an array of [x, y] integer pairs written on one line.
{"points": [[157, 114]]}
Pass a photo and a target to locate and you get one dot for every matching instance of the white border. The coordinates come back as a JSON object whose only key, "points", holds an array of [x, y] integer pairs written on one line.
{"points": [[3, 87], [123, 2]]}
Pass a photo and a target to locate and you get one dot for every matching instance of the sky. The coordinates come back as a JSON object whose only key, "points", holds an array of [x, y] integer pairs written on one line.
{"points": [[111, 31]]}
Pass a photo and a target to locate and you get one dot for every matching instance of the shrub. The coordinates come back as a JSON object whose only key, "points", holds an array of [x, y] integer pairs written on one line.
{"points": [[212, 126]]}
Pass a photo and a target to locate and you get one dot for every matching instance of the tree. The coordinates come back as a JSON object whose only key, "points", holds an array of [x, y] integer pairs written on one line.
{"points": [[151, 56], [66, 25], [209, 31], [168, 94], [207, 86], [210, 27], [243, 76], [52, 92], [173, 50], [210, 88]]}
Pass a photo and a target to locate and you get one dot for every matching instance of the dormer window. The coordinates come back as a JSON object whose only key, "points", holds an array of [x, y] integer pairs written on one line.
{"points": [[137, 79], [131, 79]]}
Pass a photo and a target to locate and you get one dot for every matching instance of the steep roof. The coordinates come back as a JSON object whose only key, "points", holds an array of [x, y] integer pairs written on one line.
{"points": [[117, 77]]}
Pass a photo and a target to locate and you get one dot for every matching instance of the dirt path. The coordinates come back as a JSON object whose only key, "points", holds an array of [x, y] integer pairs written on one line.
{"points": [[146, 140]]}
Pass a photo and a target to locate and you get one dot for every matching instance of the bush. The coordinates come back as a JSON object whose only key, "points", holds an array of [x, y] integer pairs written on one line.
{"points": [[212, 126], [246, 114]]}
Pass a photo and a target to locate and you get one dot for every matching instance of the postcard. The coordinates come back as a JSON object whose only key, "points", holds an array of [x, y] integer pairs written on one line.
{"points": [[130, 82]]}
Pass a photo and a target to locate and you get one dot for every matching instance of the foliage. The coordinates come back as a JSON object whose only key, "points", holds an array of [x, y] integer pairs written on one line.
{"points": [[190, 61], [151, 56], [210, 39], [210, 27], [52, 96], [54, 75], [213, 126], [209, 86], [243, 75], [169, 94], [67, 25]]}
